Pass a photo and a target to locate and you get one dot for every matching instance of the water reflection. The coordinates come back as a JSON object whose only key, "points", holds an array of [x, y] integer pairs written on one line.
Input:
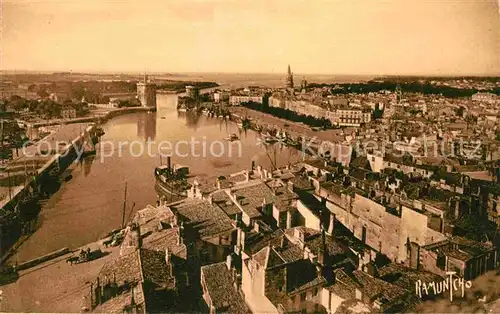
{"points": [[87, 164], [146, 126]]}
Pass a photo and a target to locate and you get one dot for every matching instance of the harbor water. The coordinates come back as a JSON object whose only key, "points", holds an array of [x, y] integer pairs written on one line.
{"points": [[91, 203]]}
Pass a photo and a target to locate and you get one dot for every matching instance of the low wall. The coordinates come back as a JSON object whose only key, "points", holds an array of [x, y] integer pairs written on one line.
{"points": [[43, 259]]}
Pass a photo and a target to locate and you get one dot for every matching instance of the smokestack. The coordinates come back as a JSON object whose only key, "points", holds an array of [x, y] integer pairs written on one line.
{"points": [[168, 162]]}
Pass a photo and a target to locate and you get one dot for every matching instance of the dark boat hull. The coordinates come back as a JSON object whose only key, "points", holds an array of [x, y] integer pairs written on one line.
{"points": [[171, 191]]}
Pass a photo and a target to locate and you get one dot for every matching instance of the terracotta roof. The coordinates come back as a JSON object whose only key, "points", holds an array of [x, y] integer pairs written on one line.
{"points": [[218, 281], [156, 270], [208, 220], [251, 197], [221, 199], [121, 301], [125, 268], [165, 239]]}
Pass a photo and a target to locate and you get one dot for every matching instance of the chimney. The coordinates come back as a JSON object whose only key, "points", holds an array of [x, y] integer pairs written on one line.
{"points": [[264, 206], [180, 234], [236, 282], [218, 183], [247, 176], [169, 165], [331, 224], [299, 234], [359, 294], [167, 256], [229, 262], [135, 231]]}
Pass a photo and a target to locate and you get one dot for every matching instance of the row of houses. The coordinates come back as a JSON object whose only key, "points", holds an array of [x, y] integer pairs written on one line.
{"points": [[285, 240], [343, 116]]}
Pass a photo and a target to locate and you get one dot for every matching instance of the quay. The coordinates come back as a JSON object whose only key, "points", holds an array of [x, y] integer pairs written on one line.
{"points": [[60, 148], [300, 133], [69, 284]]}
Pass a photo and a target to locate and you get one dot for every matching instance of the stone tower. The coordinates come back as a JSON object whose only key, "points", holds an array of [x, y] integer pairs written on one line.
{"points": [[399, 94], [146, 93], [289, 78]]}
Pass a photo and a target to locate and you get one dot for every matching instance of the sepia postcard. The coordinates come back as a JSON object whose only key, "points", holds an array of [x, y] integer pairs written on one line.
{"points": [[250, 156]]}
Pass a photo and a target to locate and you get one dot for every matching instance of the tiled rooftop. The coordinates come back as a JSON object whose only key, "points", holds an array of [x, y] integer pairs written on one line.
{"points": [[206, 219], [219, 284], [251, 197]]}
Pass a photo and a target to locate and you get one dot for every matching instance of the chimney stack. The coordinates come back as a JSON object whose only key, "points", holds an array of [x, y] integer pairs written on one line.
{"points": [[229, 262], [299, 234], [180, 234], [331, 224], [167, 256]]}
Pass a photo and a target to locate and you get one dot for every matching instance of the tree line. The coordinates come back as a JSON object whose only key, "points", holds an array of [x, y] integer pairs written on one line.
{"points": [[289, 115], [409, 87]]}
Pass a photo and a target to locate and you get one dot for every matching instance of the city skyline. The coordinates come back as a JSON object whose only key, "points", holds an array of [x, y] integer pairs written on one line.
{"points": [[322, 37]]}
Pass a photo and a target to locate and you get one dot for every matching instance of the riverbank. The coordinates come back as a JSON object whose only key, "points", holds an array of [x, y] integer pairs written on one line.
{"points": [[297, 129], [57, 150]]}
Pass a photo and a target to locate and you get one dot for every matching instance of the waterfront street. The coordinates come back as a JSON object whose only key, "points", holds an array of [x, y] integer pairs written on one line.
{"points": [[54, 286]]}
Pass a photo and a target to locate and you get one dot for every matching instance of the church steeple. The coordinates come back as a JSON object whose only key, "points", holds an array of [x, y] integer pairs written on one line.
{"points": [[289, 78]]}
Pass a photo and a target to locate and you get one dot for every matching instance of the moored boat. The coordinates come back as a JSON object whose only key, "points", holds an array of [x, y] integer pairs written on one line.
{"points": [[232, 137], [171, 182]]}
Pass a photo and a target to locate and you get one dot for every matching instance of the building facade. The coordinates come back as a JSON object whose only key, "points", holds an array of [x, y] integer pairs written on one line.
{"points": [[237, 100]]}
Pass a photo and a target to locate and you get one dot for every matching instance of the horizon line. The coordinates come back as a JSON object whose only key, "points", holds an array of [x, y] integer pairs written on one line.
{"points": [[135, 72]]}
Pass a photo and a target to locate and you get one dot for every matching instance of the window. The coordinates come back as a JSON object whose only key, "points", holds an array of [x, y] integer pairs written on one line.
{"points": [[303, 296], [315, 293], [441, 261]]}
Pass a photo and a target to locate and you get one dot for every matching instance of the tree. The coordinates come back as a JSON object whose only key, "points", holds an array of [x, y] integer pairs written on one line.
{"points": [[460, 111], [377, 113], [43, 93]]}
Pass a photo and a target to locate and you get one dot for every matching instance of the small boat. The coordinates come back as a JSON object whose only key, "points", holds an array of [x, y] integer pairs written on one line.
{"points": [[270, 139], [232, 137], [171, 181]]}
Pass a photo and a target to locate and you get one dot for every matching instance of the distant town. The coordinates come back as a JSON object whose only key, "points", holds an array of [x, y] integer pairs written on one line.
{"points": [[396, 186]]}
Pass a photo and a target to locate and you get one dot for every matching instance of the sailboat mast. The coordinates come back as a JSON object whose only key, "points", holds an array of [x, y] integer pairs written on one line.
{"points": [[124, 206]]}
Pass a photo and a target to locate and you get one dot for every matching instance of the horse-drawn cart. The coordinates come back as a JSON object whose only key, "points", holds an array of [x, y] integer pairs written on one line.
{"points": [[85, 256]]}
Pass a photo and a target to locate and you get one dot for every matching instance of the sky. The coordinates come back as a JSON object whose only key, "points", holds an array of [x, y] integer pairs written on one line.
{"points": [[406, 37]]}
